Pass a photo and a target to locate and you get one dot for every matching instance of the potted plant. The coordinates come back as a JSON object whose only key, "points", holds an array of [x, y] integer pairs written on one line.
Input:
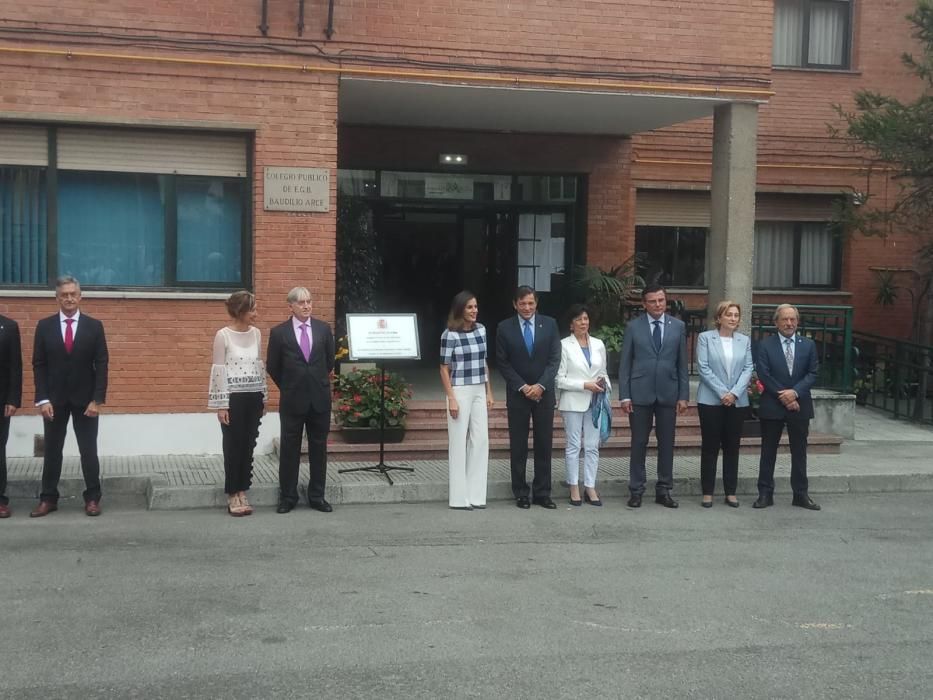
{"points": [[358, 404], [607, 292]]}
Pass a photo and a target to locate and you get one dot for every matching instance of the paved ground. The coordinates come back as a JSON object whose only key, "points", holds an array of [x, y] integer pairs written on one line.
{"points": [[888, 455], [417, 601]]}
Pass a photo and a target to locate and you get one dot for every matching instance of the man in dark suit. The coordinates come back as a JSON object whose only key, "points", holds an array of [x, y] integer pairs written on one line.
{"points": [[300, 359], [787, 366], [528, 356], [654, 388], [69, 363], [11, 391]]}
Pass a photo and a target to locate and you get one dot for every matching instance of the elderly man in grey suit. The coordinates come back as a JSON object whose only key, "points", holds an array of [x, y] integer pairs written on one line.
{"points": [[654, 388]]}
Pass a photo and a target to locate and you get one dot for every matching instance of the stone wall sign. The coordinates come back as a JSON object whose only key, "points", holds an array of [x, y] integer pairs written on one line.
{"points": [[296, 189]]}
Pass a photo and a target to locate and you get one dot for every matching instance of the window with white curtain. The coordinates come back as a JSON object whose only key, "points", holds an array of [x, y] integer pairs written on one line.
{"points": [[795, 254], [812, 33]]}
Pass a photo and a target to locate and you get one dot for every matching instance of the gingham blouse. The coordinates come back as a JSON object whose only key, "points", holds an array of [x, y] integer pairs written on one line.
{"points": [[464, 352]]}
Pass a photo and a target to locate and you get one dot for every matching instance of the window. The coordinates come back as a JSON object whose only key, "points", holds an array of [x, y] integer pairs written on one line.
{"points": [[671, 255], [789, 255], [812, 33], [133, 209]]}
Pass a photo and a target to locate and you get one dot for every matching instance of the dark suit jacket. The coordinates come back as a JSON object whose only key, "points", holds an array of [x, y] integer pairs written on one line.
{"points": [[77, 378], [772, 371], [11, 363], [517, 366], [647, 375], [305, 386]]}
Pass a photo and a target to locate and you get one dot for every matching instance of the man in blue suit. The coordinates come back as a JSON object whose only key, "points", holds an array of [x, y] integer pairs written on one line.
{"points": [[528, 356], [654, 388], [787, 366]]}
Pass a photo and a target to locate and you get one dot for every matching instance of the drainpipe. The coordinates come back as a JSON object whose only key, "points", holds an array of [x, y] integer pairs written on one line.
{"points": [[264, 21], [301, 17], [329, 32]]}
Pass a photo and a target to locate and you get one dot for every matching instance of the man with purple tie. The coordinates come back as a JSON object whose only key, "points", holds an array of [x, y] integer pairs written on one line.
{"points": [[300, 359]]}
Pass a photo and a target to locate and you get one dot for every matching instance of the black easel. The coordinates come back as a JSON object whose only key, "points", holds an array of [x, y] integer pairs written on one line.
{"points": [[382, 467]]}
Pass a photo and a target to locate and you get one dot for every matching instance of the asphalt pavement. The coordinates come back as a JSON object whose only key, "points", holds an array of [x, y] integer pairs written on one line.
{"points": [[418, 601]]}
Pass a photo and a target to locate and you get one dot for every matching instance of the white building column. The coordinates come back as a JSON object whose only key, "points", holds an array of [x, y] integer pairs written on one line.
{"points": [[732, 214]]}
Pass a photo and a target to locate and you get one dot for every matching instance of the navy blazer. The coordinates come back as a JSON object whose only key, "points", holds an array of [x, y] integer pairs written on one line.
{"points": [[772, 371], [11, 363], [647, 375], [304, 386], [75, 378], [517, 366]]}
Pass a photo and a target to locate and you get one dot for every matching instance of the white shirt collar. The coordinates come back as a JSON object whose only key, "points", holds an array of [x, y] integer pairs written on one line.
{"points": [[531, 320], [62, 317]]}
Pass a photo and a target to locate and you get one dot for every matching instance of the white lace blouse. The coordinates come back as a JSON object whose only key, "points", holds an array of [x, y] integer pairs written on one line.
{"points": [[238, 367]]}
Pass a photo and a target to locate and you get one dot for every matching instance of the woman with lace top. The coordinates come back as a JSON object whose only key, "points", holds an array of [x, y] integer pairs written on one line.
{"points": [[238, 392]]}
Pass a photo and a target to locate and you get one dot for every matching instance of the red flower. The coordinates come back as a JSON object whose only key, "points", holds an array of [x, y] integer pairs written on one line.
{"points": [[357, 414], [357, 398], [761, 387]]}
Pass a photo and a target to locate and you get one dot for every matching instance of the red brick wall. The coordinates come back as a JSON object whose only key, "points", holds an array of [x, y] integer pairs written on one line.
{"points": [[160, 349]]}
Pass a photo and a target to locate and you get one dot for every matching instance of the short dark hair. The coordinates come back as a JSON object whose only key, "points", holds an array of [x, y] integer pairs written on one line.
{"points": [[651, 289], [457, 307], [523, 291], [576, 311], [240, 303]]}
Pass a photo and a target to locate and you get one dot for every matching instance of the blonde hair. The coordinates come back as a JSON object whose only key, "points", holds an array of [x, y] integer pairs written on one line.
{"points": [[723, 306]]}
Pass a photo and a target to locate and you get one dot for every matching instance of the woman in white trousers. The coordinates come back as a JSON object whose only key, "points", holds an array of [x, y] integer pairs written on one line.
{"points": [[465, 376], [582, 373]]}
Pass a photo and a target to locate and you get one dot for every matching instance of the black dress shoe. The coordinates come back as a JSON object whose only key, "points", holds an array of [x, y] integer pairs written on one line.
{"points": [[284, 507], [523, 502], [805, 501], [545, 502], [763, 502], [665, 500], [732, 504], [321, 505], [634, 502]]}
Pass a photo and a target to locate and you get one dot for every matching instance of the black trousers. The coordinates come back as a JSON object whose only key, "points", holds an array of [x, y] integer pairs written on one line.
{"points": [[55, 431], [4, 434], [293, 427], [541, 414], [240, 440], [797, 431], [720, 429], [640, 420]]}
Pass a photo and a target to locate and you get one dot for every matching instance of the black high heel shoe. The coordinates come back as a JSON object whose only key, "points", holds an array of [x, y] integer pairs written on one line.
{"points": [[707, 504], [732, 504], [577, 502], [591, 501]]}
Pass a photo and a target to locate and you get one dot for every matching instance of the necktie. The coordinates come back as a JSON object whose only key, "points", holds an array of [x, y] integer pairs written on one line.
{"points": [[656, 335], [69, 335], [529, 341], [789, 355], [305, 343]]}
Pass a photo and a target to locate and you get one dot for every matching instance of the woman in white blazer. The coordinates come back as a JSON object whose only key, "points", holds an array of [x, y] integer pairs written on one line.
{"points": [[582, 372], [724, 358]]}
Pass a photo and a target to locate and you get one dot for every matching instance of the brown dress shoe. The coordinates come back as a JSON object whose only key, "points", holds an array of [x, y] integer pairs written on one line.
{"points": [[92, 508], [5, 511], [43, 509]]}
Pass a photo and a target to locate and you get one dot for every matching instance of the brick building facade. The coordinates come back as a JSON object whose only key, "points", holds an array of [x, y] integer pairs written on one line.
{"points": [[617, 97]]}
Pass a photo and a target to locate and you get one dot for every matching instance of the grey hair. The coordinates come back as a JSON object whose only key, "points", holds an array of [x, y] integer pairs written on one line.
{"points": [[67, 279], [784, 307], [297, 294]]}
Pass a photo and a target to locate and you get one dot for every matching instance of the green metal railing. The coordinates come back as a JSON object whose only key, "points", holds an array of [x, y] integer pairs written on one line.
{"points": [[895, 376], [830, 327]]}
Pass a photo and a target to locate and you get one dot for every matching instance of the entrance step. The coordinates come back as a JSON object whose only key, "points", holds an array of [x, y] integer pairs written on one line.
{"points": [[426, 437]]}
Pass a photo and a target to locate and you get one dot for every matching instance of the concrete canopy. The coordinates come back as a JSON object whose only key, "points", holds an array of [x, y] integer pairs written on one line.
{"points": [[372, 102]]}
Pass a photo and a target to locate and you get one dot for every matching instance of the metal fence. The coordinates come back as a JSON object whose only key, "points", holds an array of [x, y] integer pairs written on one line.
{"points": [[830, 327], [895, 376]]}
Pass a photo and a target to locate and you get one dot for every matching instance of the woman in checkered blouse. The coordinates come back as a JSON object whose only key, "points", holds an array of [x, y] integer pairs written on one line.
{"points": [[465, 376]]}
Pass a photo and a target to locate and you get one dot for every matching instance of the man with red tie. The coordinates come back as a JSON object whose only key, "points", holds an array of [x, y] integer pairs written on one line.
{"points": [[69, 362], [300, 359]]}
